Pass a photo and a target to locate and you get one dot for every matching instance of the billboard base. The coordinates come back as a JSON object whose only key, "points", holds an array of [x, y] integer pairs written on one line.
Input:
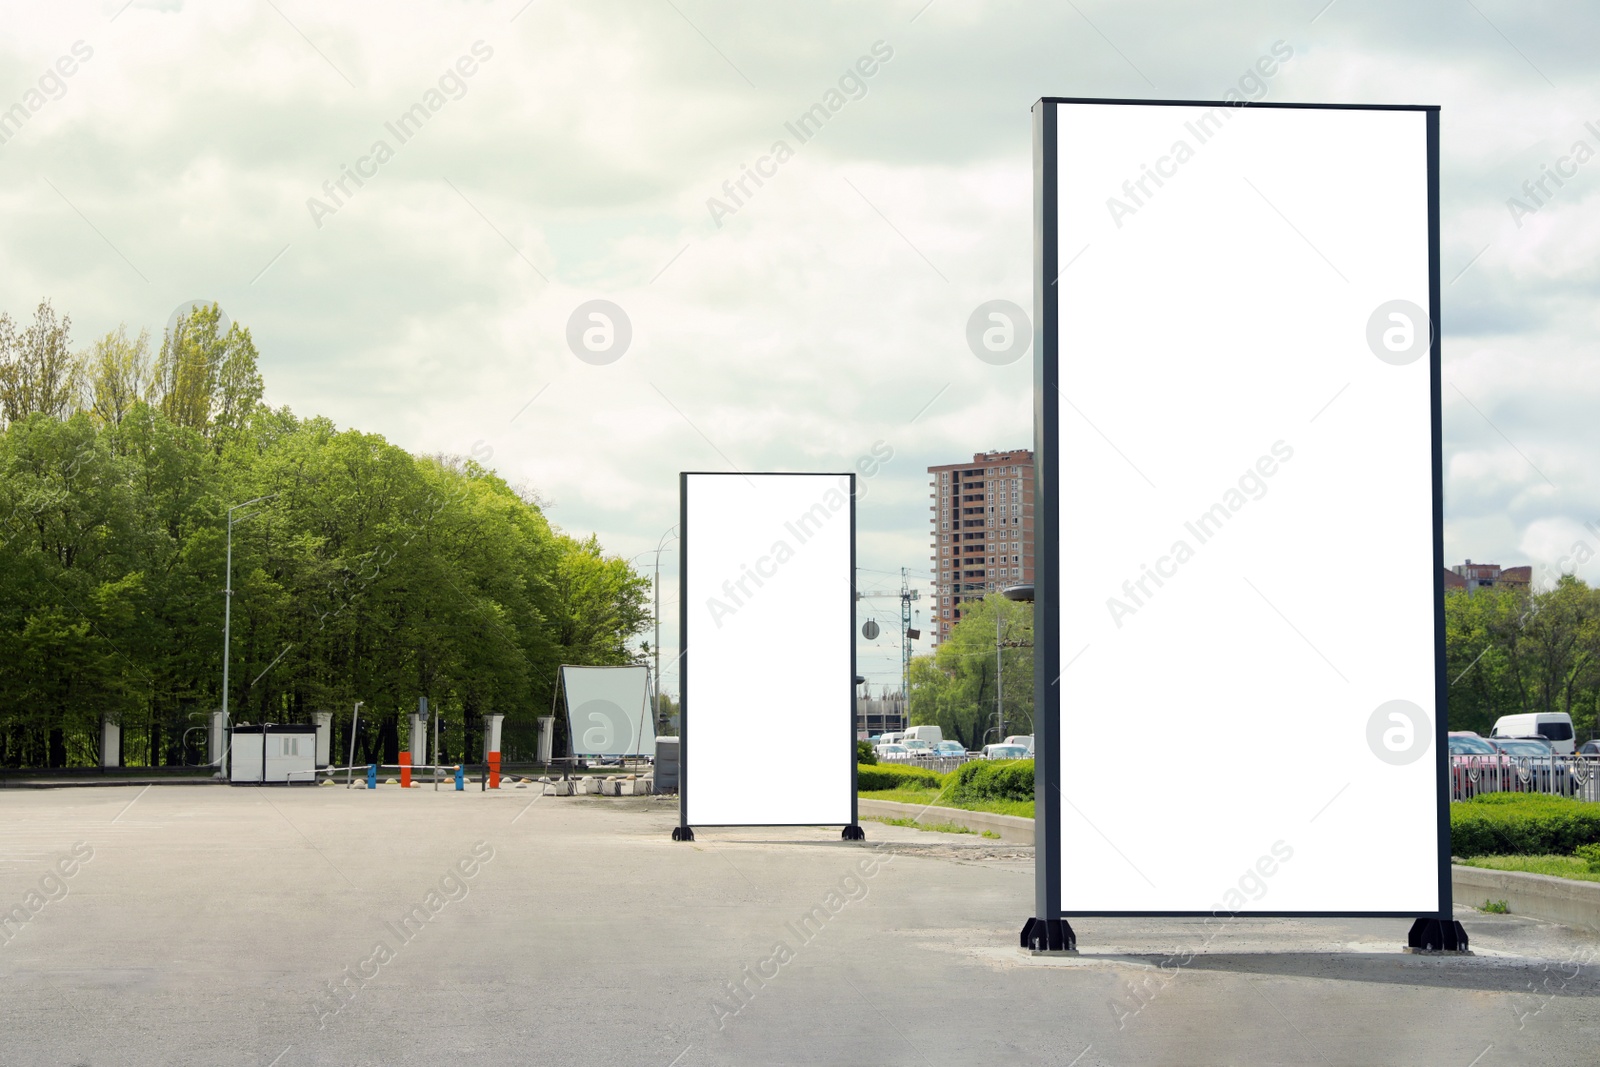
{"points": [[682, 833], [1052, 936], [853, 833], [1437, 935]]}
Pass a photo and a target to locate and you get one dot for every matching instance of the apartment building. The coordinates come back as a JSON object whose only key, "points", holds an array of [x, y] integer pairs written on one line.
{"points": [[1471, 576], [982, 530]]}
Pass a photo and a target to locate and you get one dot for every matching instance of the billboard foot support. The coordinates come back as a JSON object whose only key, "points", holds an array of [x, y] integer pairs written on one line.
{"points": [[1437, 935], [1049, 937], [853, 832], [682, 833]]}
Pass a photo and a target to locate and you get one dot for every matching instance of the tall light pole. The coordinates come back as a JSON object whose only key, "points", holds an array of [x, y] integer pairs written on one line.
{"points": [[227, 610], [999, 674], [655, 712]]}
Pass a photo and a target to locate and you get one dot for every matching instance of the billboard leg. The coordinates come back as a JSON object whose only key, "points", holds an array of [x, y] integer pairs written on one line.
{"points": [[1434, 935], [853, 832], [682, 833], [1049, 937]]}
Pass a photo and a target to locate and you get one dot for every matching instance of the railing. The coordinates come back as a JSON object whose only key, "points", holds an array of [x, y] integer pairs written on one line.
{"points": [[1566, 776], [942, 764]]}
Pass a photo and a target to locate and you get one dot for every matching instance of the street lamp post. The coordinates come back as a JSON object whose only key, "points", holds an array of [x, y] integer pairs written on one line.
{"points": [[999, 675], [655, 712], [227, 613]]}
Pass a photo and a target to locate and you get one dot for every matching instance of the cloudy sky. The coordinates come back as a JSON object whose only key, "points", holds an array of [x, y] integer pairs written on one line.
{"points": [[573, 154]]}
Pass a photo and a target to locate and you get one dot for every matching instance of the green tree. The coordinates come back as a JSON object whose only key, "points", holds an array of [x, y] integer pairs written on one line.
{"points": [[38, 373], [955, 688]]}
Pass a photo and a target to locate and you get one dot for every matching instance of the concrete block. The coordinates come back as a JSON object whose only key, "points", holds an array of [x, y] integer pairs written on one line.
{"points": [[558, 789]]}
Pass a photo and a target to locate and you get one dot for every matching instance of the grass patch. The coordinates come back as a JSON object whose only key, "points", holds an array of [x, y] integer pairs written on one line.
{"points": [[991, 834], [936, 827], [1496, 907], [1573, 867], [1023, 808]]}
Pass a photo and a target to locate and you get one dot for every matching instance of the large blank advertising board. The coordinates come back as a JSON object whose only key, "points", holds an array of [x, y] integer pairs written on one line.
{"points": [[768, 649], [608, 711], [1240, 518]]}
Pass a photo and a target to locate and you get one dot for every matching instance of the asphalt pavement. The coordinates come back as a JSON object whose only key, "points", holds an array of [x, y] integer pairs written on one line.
{"points": [[291, 926]]}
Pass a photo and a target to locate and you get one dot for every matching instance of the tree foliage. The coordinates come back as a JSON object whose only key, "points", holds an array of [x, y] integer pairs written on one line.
{"points": [[955, 687], [365, 573], [1508, 651]]}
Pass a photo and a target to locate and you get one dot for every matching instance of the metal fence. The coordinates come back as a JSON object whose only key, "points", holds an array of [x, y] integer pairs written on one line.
{"points": [[942, 764], [1564, 776]]}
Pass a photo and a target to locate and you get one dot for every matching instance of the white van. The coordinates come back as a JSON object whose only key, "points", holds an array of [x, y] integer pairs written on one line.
{"points": [[1553, 726], [930, 734], [890, 739]]}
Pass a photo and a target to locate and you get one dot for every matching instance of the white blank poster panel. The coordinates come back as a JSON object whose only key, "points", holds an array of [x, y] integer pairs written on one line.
{"points": [[1214, 363], [608, 710], [769, 734]]}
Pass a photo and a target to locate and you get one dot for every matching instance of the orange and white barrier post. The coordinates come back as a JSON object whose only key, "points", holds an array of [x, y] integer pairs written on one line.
{"points": [[494, 770], [405, 770]]}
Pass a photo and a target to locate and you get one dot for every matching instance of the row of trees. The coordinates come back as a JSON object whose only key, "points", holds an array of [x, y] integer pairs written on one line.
{"points": [[365, 573], [1509, 651], [964, 686], [1506, 651]]}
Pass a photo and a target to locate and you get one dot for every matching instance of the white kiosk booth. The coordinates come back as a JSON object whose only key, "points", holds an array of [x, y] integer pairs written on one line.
{"points": [[271, 752]]}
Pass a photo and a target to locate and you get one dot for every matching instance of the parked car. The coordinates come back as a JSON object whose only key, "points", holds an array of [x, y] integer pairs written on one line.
{"points": [[1536, 758], [1025, 740], [1005, 752], [891, 752], [949, 748], [930, 734], [1589, 750], [1476, 766], [890, 738], [1468, 744], [918, 748], [1554, 726]]}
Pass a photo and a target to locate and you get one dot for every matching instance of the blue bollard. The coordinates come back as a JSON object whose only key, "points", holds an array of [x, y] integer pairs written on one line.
{"points": [[461, 779], [372, 776]]}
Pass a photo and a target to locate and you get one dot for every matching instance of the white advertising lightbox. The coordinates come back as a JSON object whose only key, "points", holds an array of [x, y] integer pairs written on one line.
{"points": [[767, 663], [1239, 519]]}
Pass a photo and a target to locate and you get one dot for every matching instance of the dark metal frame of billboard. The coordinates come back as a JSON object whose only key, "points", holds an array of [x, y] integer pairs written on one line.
{"points": [[1049, 930], [683, 831]]}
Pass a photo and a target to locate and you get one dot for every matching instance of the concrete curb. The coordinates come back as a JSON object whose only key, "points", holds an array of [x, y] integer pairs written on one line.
{"points": [[1542, 896], [1014, 828]]}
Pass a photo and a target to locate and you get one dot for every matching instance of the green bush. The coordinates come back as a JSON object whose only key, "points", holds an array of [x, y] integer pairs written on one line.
{"points": [[1522, 824], [865, 753], [1590, 854], [889, 776], [992, 780]]}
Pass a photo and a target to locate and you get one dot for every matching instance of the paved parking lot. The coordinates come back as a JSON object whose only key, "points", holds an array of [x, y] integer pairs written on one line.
{"points": [[243, 926]]}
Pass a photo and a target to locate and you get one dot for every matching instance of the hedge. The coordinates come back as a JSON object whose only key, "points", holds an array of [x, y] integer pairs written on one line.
{"points": [[992, 780], [1522, 824], [891, 776], [865, 753]]}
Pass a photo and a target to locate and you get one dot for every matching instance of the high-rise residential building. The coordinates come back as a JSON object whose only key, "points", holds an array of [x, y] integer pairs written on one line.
{"points": [[982, 530]]}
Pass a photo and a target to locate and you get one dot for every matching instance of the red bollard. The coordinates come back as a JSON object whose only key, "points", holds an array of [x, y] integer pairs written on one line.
{"points": [[494, 770], [405, 770]]}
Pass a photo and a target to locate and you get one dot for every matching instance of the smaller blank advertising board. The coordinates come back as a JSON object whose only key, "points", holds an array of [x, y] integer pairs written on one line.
{"points": [[767, 664], [608, 711]]}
